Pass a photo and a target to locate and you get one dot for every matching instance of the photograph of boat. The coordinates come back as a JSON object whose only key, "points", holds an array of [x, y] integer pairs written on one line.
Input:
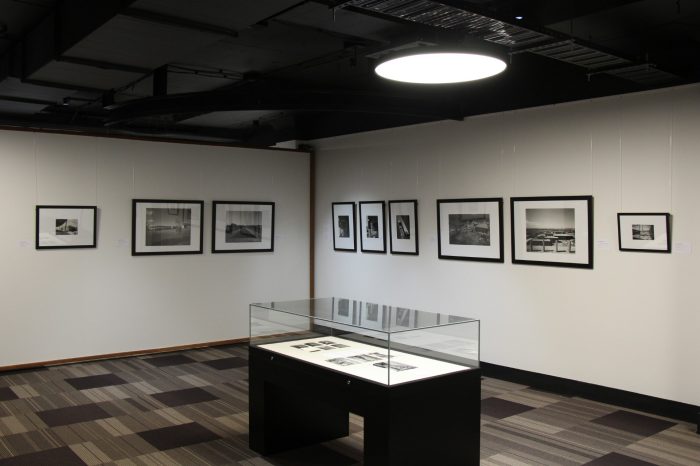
{"points": [[66, 226]]}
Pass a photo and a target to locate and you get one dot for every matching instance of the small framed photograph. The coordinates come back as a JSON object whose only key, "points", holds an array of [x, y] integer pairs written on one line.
{"points": [[344, 238], [555, 231], [403, 227], [241, 226], [166, 227], [470, 229], [644, 232], [372, 228], [59, 227]]}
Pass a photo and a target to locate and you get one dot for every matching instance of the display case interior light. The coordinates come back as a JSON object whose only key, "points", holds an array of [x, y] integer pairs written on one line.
{"points": [[440, 67]]}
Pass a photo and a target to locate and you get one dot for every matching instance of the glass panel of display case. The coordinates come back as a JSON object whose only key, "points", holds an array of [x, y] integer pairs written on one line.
{"points": [[383, 344]]}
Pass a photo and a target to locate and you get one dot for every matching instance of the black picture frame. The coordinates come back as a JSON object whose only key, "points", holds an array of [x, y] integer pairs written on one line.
{"points": [[491, 247], [267, 228], [344, 209], [412, 248], [559, 207], [366, 242], [139, 229], [50, 235], [656, 237]]}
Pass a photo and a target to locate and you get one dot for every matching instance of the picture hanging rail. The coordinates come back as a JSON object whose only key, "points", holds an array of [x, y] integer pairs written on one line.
{"points": [[403, 227], [470, 229], [554, 231], [242, 226], [166, 227], [645, 232], [372, 227], [62, 227], [344, 238]]}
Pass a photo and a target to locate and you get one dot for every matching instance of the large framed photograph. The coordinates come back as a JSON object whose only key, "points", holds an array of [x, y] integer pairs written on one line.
{"points": [[344, 238], [59, 227], [470, 229], [241, 226], [644, 232], [166, 227], [403, 227], [372, 228], [556, 231]]}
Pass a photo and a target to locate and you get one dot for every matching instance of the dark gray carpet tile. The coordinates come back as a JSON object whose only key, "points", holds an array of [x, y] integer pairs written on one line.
{"points": [[616, 459], [30, 442], [499, 409], [95, 381], [227, 363], [55, 457], [169, 360], [634, 423], [6, 394], [72, 415], [178, 436], [184, 397]]}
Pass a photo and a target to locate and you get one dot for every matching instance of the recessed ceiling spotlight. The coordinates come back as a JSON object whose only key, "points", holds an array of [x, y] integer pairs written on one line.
{"points": [[519, 17], [440, 67]]}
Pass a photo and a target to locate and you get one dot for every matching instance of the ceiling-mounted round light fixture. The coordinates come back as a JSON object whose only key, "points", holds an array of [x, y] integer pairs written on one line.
{"points": [[426, 66]]}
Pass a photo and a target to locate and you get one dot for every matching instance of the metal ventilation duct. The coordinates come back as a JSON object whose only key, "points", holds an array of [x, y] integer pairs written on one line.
{"points": [[517, 38]]}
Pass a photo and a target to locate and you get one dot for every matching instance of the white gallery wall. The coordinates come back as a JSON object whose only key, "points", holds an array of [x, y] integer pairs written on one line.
{"points": [[632, 323], [59, 304]]}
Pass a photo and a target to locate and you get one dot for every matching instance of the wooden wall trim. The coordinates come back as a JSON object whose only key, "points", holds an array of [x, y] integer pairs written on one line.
{"points": [[124, 354]]}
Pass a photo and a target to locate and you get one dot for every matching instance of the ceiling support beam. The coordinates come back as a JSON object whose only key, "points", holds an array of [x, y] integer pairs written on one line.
{"points": [[184, 23], [104, 65], [264, 98], [24, 100]]}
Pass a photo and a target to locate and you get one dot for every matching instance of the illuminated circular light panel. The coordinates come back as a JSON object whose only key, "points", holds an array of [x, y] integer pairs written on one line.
{"points": [[440, 68]]}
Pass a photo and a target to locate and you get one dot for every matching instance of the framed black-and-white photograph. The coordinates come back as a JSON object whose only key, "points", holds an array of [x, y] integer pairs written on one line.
{"points": [[241, 226], [403, 227], [644, 232], [372, 228], [344, 238], [59, 227], [555, 231], [470, 229], [166, 227]]}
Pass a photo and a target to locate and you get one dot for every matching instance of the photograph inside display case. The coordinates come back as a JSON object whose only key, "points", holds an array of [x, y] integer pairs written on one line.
{"points": [[363, 360]]}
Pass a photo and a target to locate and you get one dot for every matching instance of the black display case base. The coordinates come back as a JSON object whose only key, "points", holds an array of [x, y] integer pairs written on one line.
{"points": [[430, 421]]}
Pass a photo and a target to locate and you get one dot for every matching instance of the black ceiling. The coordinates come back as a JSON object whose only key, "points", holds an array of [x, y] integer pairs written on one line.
{"points": [[263, 71]]}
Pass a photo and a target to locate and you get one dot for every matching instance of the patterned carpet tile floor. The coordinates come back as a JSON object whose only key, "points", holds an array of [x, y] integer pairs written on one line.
{"points": [[190, 408]]}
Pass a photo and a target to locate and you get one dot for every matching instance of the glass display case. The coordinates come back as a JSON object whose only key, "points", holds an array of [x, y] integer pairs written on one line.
{"points": [[413, 376], [383, 344]]}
